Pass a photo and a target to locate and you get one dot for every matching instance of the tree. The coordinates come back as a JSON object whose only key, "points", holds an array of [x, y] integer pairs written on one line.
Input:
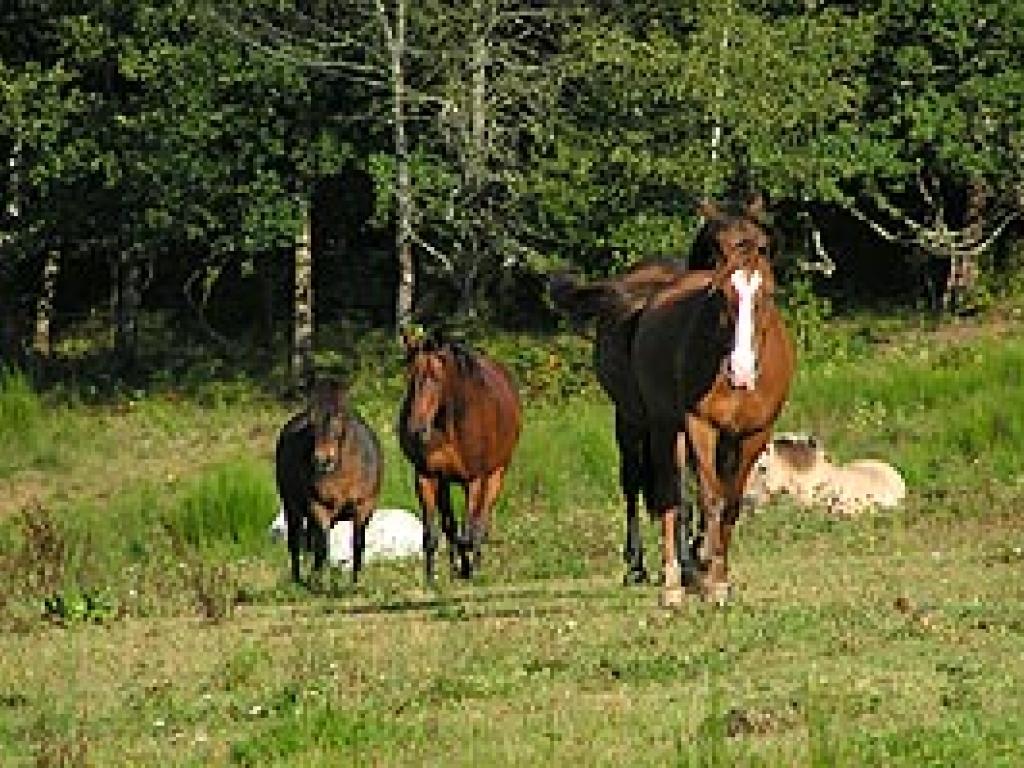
{"points": [[162, 138], [944, 108], [667, 103], [458, 117]]}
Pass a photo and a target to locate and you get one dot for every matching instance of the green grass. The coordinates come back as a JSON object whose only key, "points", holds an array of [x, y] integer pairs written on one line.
{"points": [[228, 505], [890, 639]]}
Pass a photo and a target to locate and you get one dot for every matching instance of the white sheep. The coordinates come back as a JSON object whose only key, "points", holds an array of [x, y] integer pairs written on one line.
{"points": [[797, 465], [391, 533]]}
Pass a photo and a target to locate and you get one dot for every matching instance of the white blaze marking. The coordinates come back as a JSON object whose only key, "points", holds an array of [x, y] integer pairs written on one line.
{"points": [[743, 359]]}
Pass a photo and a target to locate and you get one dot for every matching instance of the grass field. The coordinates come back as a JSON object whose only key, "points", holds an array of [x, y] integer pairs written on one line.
{"points": [[146, 619]]}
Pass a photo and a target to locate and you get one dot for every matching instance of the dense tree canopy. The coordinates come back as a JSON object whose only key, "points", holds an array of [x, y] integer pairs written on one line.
{"points": [[498, 136]]}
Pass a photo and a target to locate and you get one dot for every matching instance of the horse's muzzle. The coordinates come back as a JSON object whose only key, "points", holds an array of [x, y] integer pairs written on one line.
{"points": [[741, 376], [422, 435], [743, 381], [324, 465]]}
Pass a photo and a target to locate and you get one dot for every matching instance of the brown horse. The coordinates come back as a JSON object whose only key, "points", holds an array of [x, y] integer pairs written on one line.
{"points": [[459, 423], [698, 364], [328, 465]]}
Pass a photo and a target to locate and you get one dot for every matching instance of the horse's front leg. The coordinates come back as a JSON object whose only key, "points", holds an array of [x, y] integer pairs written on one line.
{"points": [[427, 492], [472, 532], [295, 513], [360, 521], [480, 520], [703, 436], [320, 527], [630, 440], [750, 448]]}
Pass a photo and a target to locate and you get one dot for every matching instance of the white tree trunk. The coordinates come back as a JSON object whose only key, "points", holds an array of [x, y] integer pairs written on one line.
{"points": [[301, 364], [41, 337], [403, 232]]}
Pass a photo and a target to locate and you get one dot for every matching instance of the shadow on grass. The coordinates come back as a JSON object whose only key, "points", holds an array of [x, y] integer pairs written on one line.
{"points": [[481, 602]]}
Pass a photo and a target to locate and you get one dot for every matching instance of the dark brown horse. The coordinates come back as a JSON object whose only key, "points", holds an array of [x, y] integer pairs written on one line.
{"points": [[698, 364], [459, 423], [328, 464]]}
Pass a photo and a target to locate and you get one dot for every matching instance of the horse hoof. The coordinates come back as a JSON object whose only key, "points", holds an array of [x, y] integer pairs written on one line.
{"points": [[635, 577], [717, 593], [691, 581], [672, 597]]}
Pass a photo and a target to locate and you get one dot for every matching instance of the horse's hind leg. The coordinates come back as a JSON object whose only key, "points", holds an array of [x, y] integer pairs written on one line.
{"points": [[747, 452], [630, 440], [319, 547], [704, 439], [686, 542], [359, 522]]}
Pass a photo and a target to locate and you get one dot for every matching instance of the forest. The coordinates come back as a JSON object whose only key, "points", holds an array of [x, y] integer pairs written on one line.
{"points": [[246, 172]]}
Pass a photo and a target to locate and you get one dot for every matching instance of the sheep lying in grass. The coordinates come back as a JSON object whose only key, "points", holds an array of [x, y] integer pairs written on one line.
{"points": [[797, 465], [391, 533]]}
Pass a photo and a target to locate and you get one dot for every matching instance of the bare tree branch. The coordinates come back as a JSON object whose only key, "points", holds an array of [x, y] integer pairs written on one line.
{"points": [[446, 261], [938, 239]]}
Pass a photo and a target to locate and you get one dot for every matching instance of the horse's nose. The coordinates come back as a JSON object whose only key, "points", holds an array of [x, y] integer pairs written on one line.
{"points": [[421, 433]]}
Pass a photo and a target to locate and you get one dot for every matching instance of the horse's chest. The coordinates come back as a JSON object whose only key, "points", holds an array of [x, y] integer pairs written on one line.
{"points": [[737, 411], [338, 492], [443, 459]]}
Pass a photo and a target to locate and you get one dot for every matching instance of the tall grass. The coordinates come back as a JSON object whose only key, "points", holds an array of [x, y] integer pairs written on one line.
{"points": [[938, 413], [231, 504], [21, 419]]}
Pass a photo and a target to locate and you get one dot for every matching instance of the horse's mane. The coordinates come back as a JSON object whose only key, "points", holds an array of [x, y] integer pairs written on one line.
{"points": [[466, 359], [327, 396]]}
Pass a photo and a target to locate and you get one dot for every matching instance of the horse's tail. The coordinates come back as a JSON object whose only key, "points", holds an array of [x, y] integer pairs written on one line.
{"points": [[615, 297], [587, 301]]}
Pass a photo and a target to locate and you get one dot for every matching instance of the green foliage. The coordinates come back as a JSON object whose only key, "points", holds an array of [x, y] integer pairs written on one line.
{"points": [[74, 606], [807, 316]]}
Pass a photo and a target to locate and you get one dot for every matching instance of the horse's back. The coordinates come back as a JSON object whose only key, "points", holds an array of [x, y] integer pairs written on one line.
{"points": [[508, 408], [491, 418]]}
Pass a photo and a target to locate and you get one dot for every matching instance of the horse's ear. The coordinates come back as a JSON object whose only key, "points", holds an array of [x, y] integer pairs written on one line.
{"points": [[756, 206], [708, 209], [434, 339], [411, 340]]}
